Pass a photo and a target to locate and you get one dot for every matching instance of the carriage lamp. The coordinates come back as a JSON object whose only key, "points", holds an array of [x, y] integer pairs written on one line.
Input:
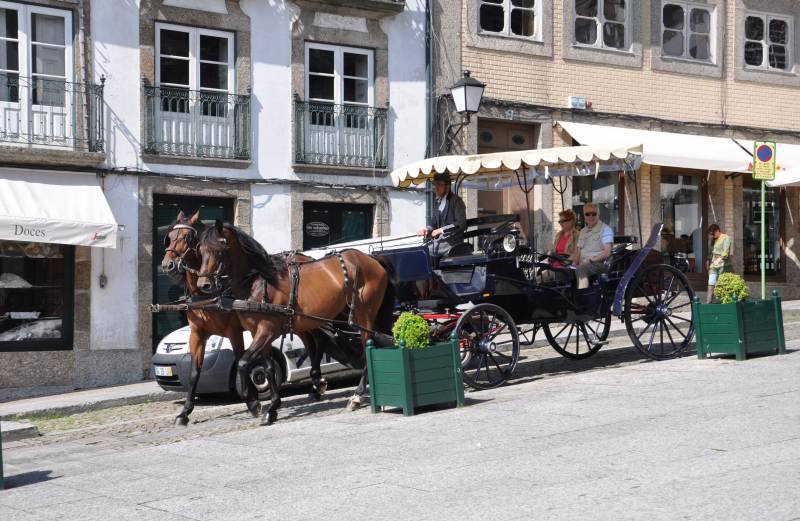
{"points": [[467, 94], [510, 243]]}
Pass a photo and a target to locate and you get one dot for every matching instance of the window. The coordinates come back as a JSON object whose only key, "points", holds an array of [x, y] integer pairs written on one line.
{"points": [[602, 23], [686, 31], [682, 214], [339, 75], [751, 215], [194, 59], [330, 223], [511, 17], [35, 66], [603, 191], [36, 294], [767, 42]]}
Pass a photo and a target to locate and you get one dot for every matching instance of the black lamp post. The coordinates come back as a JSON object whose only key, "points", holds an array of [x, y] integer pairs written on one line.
{"points": [[467, 95]]}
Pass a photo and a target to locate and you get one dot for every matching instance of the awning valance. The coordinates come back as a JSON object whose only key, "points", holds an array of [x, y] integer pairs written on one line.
{"points": [[55, 207], [790, 177], [667, 148], [492, 171]]}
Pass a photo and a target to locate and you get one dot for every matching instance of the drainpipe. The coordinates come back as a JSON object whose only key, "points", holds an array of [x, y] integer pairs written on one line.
{"points": [[428, 104]]}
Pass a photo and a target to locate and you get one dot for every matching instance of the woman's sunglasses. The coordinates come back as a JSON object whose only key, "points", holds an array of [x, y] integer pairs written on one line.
{"points": [[562, 221]]}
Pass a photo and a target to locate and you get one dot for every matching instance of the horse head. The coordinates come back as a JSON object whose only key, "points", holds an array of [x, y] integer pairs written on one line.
{"points": [[180, 245], [216, 247]]}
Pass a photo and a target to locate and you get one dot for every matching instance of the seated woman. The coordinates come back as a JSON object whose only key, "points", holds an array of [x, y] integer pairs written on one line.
{"points": [[564, 243]]}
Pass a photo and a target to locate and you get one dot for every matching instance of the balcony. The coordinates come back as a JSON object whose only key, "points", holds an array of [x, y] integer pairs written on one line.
{"points": [[43, 113], [382, 7], [184, 123], [340, 135]]}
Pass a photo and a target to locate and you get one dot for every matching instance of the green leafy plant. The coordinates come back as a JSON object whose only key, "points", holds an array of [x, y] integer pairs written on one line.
{"points": [[728, 285], [413, 329]]}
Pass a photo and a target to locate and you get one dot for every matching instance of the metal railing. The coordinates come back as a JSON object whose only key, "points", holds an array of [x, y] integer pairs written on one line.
{"points": [[48, 112], [340, 135], [182, 122]]}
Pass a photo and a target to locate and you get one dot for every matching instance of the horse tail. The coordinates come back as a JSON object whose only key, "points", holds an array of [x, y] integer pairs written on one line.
{"points": [[385, 317]]}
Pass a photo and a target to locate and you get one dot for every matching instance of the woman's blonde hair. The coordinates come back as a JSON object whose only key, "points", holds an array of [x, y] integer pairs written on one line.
{"points": [[567, 215]]}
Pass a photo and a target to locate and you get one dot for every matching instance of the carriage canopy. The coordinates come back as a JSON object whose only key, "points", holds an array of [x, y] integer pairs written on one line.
{"points": [[501, 170]]}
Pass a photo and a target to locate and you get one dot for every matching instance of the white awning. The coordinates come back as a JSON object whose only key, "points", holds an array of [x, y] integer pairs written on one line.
{"points": [[787, 162], [494, 171], [790, 177], [667, 148], [55, 207]]}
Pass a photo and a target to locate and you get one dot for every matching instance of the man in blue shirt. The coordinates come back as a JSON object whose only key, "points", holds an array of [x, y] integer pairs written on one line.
{"points": [[594, 245]]}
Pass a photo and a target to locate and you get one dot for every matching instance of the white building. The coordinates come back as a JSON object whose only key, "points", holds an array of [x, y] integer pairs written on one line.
{"points": [[282, 117]]}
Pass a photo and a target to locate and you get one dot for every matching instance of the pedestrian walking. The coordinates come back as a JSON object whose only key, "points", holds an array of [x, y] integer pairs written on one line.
{"points": [[719, 258]]}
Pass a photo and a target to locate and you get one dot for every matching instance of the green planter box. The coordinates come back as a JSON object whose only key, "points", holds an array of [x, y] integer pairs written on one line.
{"points": [[410, 378], [739, 328]]}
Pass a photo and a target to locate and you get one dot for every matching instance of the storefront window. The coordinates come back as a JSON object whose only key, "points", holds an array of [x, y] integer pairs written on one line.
{"points": [[36, 292], [603, 191], [751, 213], [682, 214]]}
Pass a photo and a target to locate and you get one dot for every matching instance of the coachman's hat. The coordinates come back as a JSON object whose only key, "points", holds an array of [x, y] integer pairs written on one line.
{"points": [[440, 177]]}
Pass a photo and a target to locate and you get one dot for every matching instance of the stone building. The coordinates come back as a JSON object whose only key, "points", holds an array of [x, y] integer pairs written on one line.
{"points": [[694, 81], [283, 117]]}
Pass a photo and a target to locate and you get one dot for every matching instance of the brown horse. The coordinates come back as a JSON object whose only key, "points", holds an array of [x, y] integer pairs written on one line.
{"points": [[349, 284], [182, 261]]}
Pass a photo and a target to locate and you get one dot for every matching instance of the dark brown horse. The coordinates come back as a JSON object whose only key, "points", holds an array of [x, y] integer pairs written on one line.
{"points": [[350, 284], [182, 261]]}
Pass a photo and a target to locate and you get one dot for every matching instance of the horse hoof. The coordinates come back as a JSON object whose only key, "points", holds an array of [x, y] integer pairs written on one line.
{"points": [[269, 418], [181, 421], [315, 396], [255, 410], [353, 404], [322, 387]]}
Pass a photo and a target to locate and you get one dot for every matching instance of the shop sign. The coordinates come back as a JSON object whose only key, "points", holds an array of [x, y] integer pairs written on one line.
{"points": [[764, 160], [26, 232], [317, 229]]}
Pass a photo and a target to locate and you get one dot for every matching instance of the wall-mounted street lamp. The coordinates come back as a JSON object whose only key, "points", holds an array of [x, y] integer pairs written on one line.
{"points": [[467, 95]]}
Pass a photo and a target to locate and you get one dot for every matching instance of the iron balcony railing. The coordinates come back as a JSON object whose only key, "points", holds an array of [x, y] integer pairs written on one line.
{"points": [[182, 122], [340, 135], [39, 111]]}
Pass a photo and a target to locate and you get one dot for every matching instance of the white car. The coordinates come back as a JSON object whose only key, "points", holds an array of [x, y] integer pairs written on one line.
{"points": [[172, 363]]}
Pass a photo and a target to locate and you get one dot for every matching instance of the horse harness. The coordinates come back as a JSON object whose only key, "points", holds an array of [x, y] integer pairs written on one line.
{"points": [[228, 303]]}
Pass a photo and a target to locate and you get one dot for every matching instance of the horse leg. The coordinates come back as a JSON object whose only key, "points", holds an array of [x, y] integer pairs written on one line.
{"points": [[197, 349], [357, 400], [262, 347], [246, 388], [318, 384]]}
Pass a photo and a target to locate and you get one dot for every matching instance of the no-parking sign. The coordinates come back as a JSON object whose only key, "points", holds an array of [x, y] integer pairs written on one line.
{"points": [[764, 160]]}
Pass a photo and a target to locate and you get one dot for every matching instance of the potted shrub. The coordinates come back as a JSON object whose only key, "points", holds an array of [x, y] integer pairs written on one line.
{"points": [[738, 325], [414, 372]]}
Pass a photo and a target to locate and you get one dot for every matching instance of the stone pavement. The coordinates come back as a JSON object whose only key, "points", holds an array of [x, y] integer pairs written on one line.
{"points": [[613, 437]]}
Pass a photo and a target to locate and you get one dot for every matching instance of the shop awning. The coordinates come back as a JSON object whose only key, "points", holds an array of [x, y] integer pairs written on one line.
{"points": [[498, 170], [667, 148], [787, 160], [790, 177], [55, 207]]}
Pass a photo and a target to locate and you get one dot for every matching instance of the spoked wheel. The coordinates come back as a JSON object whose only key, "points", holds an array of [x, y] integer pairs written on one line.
{"points": [[578, 340], [489, 346], [658, 312]]}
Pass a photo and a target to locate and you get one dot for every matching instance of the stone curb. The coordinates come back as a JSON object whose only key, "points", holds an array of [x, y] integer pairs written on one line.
{"points": [[13, 431], [91, 405]]}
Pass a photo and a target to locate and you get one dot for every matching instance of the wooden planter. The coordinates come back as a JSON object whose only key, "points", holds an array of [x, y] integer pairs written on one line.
{"points": [[410, 378], [739, 328]]}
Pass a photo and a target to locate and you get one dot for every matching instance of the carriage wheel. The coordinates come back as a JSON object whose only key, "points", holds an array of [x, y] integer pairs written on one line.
{"points": [[578, 340], [658, 312], [489, 345]]}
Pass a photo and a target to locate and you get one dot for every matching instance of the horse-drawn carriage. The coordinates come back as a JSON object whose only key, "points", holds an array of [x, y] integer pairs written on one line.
{"points": [[480, 292], [491, 285]]}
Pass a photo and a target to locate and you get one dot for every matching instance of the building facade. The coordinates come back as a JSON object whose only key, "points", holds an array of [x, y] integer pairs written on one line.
{"points": [[282, 117], [709, 75]]}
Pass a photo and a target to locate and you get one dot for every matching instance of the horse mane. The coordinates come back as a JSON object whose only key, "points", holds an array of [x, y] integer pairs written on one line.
{"points": [[270, 267]]}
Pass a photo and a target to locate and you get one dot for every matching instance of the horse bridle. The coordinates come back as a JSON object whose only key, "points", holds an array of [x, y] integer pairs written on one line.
{"points": [[191, 246], [216, 277]]}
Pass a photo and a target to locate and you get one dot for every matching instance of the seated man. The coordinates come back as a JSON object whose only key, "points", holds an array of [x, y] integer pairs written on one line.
{"points": [[594, 246], [449, 218]]}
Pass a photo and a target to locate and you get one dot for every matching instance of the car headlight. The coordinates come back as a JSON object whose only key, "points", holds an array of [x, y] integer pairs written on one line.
{"points": [[510, 243]]}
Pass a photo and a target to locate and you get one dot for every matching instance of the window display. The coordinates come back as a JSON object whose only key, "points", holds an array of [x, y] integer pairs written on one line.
{"points": [[36, 291], [682, 213], [751, 215]]}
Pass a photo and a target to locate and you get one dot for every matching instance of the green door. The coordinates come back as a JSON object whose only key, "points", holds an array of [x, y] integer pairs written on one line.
{"points": [[165, 289]]}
